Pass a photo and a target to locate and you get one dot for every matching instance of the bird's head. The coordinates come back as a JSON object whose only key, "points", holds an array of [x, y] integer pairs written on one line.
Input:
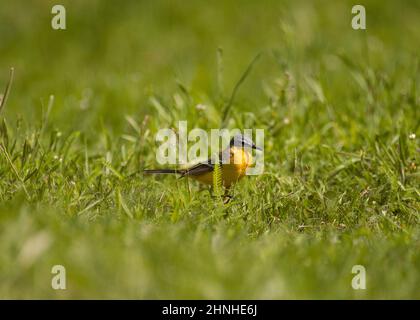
{"points": [[242, 141]]}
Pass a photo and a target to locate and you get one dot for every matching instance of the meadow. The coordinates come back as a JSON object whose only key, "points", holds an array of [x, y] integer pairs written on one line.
{"points": [[340, 112]]}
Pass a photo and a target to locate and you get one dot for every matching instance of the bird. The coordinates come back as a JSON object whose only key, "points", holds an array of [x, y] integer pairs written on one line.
{"points": [[239, 160]]}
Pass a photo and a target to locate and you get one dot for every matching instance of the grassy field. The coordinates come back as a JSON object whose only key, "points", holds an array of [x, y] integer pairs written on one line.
{"points": [[340, 110]]}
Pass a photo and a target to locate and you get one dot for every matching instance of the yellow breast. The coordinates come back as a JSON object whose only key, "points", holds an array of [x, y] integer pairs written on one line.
{"points": [[239, 161]]}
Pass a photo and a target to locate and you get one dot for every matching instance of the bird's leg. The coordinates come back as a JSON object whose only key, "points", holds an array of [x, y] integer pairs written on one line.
{"points": [[227, 197]]}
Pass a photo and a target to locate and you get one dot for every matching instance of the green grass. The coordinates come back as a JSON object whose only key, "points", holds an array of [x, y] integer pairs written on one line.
{"points": [[339, 107]]}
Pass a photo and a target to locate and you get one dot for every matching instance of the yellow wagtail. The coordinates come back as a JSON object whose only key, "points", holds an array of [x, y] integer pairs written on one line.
{"points": [[239, 160]]}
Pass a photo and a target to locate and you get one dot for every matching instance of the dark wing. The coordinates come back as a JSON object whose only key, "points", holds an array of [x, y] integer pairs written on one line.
{"points": [[199, 168], [207, 166]]}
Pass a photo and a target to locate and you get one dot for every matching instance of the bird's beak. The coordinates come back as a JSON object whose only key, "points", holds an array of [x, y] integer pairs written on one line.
{"points": [[256, 148]]}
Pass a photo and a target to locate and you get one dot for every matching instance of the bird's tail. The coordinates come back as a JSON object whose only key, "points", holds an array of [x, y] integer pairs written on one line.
{"points": [[163, 171]]}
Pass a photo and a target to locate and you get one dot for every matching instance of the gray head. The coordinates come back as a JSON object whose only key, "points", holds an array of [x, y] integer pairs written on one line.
{"points": [[242, 141]]}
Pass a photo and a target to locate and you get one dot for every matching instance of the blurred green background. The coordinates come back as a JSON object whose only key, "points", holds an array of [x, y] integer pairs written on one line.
{"points": [[114, 57], [340, 109]]}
